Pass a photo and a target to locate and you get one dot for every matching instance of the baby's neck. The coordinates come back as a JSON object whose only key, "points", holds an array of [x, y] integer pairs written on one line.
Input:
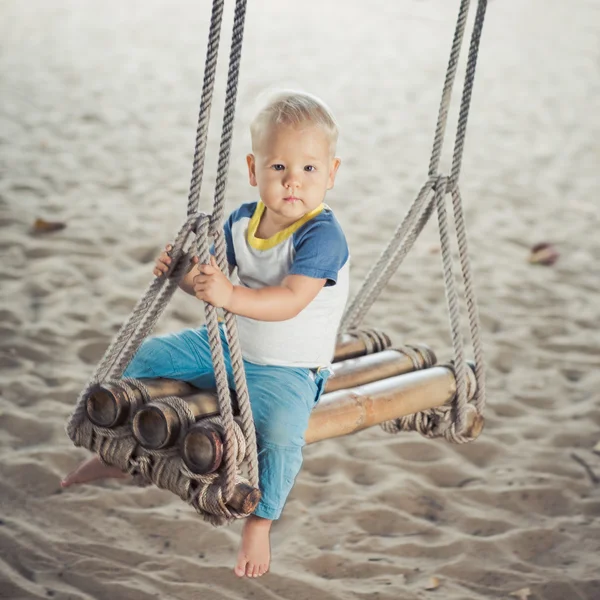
{"points": [[271, 225]]}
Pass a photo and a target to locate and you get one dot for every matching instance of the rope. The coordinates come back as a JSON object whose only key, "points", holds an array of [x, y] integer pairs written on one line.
{"points": [[472, 309], [220, 247], [134, 330], [388, 262], [440, 129], [154, 300], [453, 307], [223, 393], [465, 104], [210, 67], [418, 215]]}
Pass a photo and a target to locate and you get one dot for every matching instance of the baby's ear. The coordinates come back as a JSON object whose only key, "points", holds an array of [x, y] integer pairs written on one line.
{"points": [[335, 165], [251, 162]]}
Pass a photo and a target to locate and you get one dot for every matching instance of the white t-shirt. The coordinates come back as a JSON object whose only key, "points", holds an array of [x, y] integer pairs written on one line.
{"points": [[314, 246]]}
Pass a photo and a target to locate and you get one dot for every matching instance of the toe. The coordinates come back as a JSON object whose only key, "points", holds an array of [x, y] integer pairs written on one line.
{"points": [[240, 568], [66, 481], [249, 569]]}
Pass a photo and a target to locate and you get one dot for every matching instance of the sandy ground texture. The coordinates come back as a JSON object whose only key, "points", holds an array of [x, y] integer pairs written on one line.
{"points": [[98, 113]]}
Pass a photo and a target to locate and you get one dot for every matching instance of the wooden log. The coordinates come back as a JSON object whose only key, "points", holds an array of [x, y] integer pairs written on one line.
{"points": [[157, 425], [202, 448], [352, 345], [108, 405], [245, 498], [348, 411], [373, 367]]}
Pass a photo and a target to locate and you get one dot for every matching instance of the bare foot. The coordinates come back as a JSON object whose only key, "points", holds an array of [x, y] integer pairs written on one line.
{"points": [[254, 555], [91, 470]]}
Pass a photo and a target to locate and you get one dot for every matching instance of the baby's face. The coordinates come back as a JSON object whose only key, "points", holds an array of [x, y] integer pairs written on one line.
{"points": [[293, 169]]}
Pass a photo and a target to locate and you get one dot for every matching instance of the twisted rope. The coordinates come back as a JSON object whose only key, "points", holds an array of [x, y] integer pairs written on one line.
{"points": [[215, 230], [218, 360], [154, 300], [208, 86], [472, 309], [134, 330], [465, 103], [440, 128], [390, 259], [416, 218], [453, 307]]}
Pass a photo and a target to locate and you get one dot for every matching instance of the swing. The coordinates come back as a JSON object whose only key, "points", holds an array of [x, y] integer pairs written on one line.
{"points": [[196, 442]]}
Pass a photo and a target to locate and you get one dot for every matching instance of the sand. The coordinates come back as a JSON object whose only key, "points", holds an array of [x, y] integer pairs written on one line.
{"points": [[97, 121]]}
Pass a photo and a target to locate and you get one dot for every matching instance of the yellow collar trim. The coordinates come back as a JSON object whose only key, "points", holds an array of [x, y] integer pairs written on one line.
{"points": [[284, 234]]}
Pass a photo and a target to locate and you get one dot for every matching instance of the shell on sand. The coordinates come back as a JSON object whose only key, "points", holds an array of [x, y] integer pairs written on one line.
{"points": [[97, 122]]}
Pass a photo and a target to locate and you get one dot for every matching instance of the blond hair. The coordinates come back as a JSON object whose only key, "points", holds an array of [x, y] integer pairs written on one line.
{"points": [[292, 108]]}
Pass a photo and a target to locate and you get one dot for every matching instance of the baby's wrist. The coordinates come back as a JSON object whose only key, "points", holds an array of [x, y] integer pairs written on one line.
{"points": [[229, 305]]}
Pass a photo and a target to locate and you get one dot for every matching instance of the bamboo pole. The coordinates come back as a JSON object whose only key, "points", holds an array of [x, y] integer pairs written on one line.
{"points": [[352, 344], [157, 425], [108, 405], [348, 411], [202, 448], [373, 367], [245, 498]]}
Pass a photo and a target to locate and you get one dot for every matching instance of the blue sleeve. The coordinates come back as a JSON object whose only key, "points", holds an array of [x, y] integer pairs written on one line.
{"points": [[228, 240], [321, 250]]}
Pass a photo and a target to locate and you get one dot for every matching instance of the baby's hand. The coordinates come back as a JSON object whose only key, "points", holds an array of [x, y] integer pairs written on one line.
{"points": [[212, 286], [163, 262]]}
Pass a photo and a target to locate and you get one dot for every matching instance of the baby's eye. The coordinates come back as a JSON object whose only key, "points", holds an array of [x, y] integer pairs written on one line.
{"points": [[310, 168], [277, 167]]}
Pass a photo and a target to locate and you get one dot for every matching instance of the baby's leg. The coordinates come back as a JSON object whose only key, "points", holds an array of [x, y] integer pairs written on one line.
{"points": [[183, 355], [282, 399], [91, 470]]}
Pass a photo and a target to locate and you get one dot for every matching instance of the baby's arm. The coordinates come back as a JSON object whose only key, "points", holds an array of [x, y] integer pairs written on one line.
{"points": [[277, 303]]}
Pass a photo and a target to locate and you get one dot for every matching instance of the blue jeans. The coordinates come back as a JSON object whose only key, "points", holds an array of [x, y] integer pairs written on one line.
{"points": [[281, 398]]}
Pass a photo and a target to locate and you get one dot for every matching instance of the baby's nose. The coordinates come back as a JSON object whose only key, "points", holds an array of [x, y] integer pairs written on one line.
{"points": [[291, 180]]}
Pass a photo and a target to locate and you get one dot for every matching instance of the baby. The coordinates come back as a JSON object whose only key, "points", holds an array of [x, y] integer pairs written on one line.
{"points": [[292, 263]]}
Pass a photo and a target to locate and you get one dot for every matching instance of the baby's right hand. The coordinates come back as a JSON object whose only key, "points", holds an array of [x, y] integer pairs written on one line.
{"points": [[163, 262]]}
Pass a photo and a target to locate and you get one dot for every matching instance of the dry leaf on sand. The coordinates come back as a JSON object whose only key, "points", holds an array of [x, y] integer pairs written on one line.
{"points": [[43, 226], [543, 254], [434, 584]]}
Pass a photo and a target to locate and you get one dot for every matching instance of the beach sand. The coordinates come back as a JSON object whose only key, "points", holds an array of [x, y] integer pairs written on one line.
{"points": [[97, 126]]}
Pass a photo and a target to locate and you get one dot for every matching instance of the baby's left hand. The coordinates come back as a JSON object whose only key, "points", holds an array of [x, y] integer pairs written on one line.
{"points": [[212, 286]]}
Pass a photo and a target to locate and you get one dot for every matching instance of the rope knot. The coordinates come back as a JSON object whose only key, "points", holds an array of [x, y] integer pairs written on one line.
{"points": [[202, 224]]}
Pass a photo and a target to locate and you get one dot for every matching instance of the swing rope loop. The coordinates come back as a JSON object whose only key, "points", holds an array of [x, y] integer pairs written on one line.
{"points": [[420, 212]]}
